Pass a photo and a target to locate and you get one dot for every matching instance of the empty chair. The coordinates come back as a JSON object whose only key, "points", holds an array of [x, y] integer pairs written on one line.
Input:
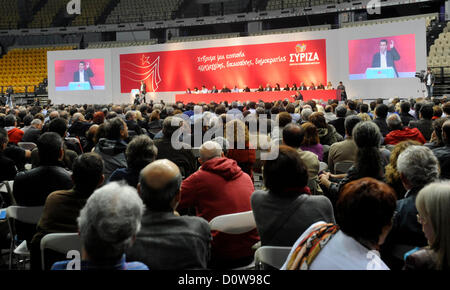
{"points": [[27, 145], [28, 215], [342, 167], [235, 223], [61, 243], [272, 256]]}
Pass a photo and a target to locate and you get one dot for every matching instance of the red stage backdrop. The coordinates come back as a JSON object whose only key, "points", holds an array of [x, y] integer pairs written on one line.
{"points": [[361, 52], [246, 65], [64, 70]]}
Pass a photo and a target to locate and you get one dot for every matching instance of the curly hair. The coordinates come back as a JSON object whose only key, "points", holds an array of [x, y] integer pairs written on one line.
{"points": [[392, 175]]}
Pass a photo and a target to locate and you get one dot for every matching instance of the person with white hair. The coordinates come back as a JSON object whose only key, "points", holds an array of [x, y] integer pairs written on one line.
{"points": [[108, 225], [33, 133], [418, 167], [433, 205], [401, 133], [221, 187]]}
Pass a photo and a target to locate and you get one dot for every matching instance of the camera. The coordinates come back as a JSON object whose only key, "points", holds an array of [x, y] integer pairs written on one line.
{"points": [[421, 75]]}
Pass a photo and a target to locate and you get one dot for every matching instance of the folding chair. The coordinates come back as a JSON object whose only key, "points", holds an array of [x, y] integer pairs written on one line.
{"points": [[29, 215], [272, 256], [342, 167], [61, 243], [27, 145], [235, 224]]}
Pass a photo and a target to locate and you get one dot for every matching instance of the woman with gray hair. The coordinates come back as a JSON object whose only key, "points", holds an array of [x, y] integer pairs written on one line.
{"points": [[108, 225], [433, 205], [368, 163], [418, 167]]}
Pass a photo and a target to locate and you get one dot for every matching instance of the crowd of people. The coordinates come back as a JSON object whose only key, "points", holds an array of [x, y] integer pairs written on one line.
{"points": [[353, 185]]}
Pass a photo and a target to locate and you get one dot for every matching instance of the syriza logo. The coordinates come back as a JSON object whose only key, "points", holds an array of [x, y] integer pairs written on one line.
{"points": [[302, 56], [143, 70]]}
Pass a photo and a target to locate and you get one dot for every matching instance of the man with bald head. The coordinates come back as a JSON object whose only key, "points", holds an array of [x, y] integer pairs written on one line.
{"points": [[166, 240], [220, 187], [443, 153]]}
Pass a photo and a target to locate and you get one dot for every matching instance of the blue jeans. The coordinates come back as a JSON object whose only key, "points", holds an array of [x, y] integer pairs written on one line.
{"points": [[430, 91]]}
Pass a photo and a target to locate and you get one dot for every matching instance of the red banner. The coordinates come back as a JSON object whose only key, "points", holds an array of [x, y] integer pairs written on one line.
{"points": [[245, 65], [323, 95]]}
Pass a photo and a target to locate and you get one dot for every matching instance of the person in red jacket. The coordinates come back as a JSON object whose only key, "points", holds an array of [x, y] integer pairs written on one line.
{"points": [[14, 134], [399, 133], [220, 187]]}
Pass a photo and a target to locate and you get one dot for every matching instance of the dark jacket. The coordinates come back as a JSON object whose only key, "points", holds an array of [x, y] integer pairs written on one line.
{"points": [[424, 126], [381, 123], [32, 187], [113, 155], [183, 158], [79, 129], [133, 126], [268, 208], [339, 125], [131, 176], [406, 118], [391, 57], [170, 242], [406, 230], [443, 155], [31, 135], [7, 168]]}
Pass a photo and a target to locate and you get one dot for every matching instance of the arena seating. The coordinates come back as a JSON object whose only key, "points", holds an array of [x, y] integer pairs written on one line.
{"points": [[286, 4], [110, 44], [9, 15], [292, 30], [428, 18], [440, 51], [141, 10], [25, 67], [91, 12], [203, 37], [44, 17]]}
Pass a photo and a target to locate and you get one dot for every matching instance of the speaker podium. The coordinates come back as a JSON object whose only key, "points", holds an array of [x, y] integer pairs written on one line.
{"points": [[380, 73], [79, 86]]}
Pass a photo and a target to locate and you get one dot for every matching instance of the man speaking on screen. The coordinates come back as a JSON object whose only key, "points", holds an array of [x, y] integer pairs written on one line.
{"points": [[386, 58], [84, 73]]}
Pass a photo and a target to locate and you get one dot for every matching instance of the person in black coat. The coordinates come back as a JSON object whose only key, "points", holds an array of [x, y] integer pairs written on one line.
{"points": [[341, 111]]}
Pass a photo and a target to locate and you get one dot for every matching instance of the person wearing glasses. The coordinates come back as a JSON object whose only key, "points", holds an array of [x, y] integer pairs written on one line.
{"points": [[433, 206]]}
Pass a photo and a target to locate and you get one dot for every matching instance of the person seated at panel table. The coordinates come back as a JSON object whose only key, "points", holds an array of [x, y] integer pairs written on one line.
{"points": [[235, 90], [268, 88], [188, 91], [329, 86], [204, 90], [247, 89], [312, 86], [260, 88], [286, 88], [214, 90], [225, 89], [277, 87], [303, 87], [294, 87], [196, 91], [321, 86]]}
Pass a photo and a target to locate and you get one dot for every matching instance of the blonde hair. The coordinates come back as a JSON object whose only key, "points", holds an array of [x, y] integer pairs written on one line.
{"points": [[364, 117], [433, 202]]}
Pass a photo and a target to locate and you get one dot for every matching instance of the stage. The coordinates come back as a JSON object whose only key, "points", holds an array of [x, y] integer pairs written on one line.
{"points": [[323, 95]]}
